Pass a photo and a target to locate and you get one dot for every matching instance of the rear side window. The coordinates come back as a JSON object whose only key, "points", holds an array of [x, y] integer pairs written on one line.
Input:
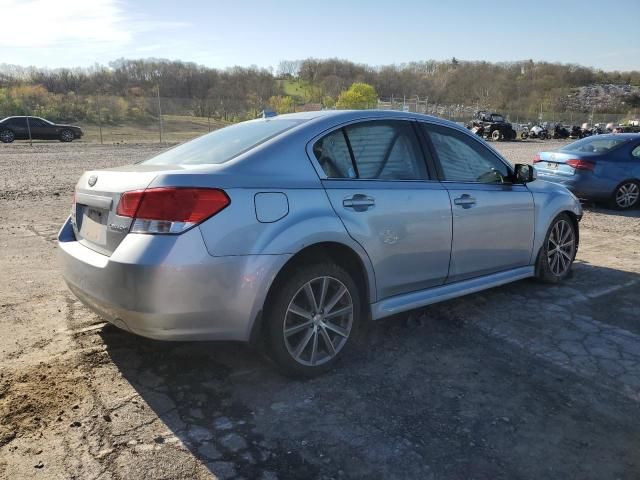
{"points": [[332, 153], [222, 145], [595, 144], [374, 150], [18, 122], [464, 159], [636, 152]]}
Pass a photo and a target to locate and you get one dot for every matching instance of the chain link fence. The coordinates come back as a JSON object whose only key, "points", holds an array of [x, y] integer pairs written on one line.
{"points": [[465, 113], [146, 119]]}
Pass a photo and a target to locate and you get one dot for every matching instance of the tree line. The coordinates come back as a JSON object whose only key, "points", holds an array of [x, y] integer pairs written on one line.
{"points": [[126, 89]]}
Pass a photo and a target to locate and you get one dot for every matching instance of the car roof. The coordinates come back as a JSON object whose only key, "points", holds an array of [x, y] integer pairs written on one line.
{"points": [[343, 116], [630, 136]]}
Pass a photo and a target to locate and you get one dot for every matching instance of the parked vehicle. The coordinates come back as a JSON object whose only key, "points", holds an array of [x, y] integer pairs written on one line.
{"points": [[575, 132], [601, 168], [588, 130], [539, 131], [560, 132], [23, 128], [626, 129], [492, 126], [296, 229]]}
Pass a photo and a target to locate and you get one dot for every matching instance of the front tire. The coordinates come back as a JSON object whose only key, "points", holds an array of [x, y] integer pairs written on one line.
{"points": [[558, 250], [7, 136], [312, 318], [496, 135], [66, 136]]}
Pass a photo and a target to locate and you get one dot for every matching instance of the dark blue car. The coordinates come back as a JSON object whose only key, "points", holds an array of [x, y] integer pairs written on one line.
{"points": [[599, 168]]}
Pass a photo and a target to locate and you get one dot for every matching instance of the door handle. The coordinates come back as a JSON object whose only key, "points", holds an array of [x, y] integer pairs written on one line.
{"points": [[359, 202], [465, 201]]}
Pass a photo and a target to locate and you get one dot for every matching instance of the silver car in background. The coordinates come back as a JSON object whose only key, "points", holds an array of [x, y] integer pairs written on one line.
{"points": [[296, 229]]}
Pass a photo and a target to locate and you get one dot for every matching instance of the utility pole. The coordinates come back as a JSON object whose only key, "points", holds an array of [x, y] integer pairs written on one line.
{"points": [[160, 113], [29, 130], [100, 120]]}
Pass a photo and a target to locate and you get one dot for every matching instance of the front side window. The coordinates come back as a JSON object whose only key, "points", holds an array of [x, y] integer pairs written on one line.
{"points": [[372, 150], [464, 159]]}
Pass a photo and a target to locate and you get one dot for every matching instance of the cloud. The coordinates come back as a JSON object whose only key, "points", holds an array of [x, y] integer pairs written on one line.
{"points": [[83, 24]]}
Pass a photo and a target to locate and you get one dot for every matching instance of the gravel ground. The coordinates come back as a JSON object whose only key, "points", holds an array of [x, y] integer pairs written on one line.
{"points": [[524, 381]]}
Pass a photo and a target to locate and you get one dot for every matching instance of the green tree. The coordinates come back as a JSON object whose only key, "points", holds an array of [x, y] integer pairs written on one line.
{"points": [[281, 104], [359, 96]]}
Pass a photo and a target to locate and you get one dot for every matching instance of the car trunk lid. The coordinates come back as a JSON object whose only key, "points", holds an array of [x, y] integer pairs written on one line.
{"points": [[559, 163], [95, 222]]}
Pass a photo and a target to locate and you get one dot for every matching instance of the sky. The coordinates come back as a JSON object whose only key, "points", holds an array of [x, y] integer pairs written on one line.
{"points": [[220, 34]]}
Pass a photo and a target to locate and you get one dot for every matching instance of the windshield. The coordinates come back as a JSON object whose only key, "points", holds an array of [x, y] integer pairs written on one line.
{"points": [[497, 118], [222, 145], [595, 144]]}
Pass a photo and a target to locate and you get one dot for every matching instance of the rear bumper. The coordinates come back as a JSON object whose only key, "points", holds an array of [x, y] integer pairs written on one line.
{"points": [[169, 287], [582, 186]]}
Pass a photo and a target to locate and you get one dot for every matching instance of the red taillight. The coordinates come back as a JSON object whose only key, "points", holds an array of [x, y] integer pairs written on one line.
{"points": [[579, 164], [170, 210], [537, 159], [129, 202]]}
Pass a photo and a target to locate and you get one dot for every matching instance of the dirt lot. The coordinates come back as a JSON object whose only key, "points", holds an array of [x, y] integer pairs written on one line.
{"points": [[524, 381]]}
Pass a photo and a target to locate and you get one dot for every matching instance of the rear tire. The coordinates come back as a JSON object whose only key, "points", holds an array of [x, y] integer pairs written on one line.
{"points": [[7, 136], [66, 136], [558, 250], [312, 319], [626, 195]]}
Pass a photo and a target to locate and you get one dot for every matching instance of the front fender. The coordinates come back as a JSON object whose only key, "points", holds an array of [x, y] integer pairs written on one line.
{"points": [[550, 200]]}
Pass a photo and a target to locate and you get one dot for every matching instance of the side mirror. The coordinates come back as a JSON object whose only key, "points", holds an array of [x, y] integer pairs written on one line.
{"points": [[525, 173]]}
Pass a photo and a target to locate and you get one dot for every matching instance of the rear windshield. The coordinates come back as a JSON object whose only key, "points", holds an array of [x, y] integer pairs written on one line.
{"points": [[224, 144], [594, 144]]}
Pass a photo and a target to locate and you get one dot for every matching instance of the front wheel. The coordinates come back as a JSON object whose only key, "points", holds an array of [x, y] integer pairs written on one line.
{"points": [[66, 136], [7, 136], [558, 251], [312, 318], [496, 135], [524, 135], [626, 196]]}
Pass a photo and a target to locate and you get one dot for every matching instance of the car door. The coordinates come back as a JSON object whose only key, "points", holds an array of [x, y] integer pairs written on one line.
{"points": [[493, 219], [38, 129], [377, 181], [18, 126]]}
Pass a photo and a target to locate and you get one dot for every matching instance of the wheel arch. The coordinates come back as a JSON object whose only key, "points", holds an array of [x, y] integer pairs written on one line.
{"points": [[630, 179], [575, 221], [356, 263]]}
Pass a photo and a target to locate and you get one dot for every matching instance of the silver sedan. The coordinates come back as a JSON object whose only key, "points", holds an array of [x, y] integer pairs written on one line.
{"points": [[295, 230]]}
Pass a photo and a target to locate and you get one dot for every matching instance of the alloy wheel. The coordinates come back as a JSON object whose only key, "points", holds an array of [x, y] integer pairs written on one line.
{"points": [[318, 321], [67, 136], [627, 195], [7, 136], [561, 247]]}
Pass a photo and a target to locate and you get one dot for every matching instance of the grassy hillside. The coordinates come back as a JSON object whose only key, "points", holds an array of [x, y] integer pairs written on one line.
{"points": [[175, 129]]}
